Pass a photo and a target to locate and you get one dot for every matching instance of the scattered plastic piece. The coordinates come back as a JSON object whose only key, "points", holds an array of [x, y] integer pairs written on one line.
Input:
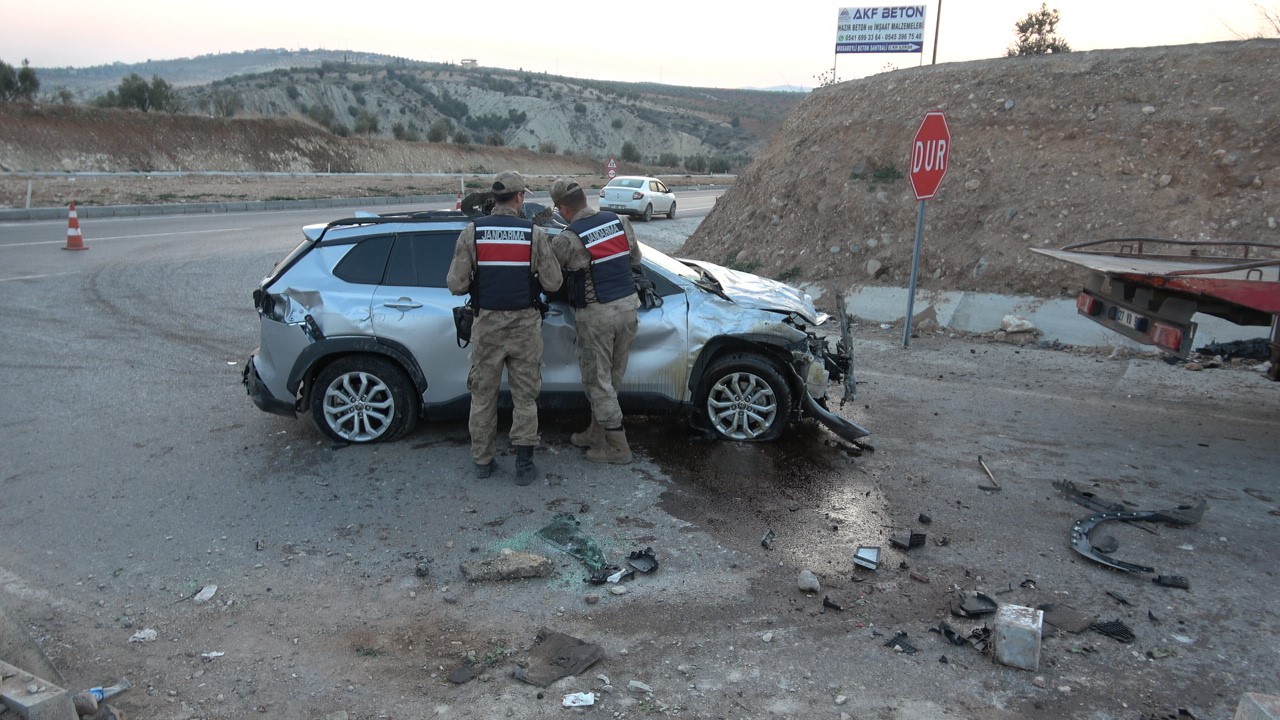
{"points": [[974, 604], [908, 541], [1173, 581], [1115, 629], [918, 577], [767, 541], [867, 556], [555, 655], [205, 594], [899, 642], [1119, 598], [643, 560], [924, 519], [944, 629], [579, 699], [828, 603], [1065, 617]]}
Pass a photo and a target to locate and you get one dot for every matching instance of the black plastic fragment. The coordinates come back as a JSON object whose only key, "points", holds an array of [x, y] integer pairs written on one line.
{"points": [[643, 560], [1119, 598], [1173, 581], [830, 604], [1115, 629], [974, 604], [925, 519], [899, 642], [944, 629]]}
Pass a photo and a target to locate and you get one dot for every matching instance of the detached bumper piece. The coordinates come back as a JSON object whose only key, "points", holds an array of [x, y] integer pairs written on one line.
{"points": [[260, 395]]}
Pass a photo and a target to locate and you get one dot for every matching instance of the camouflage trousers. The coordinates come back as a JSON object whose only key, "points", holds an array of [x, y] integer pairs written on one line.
{"points": [[510, 340], [605, 334]]}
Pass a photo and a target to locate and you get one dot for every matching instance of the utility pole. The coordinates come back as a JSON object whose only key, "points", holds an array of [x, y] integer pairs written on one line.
{"points": [[937, 27]]}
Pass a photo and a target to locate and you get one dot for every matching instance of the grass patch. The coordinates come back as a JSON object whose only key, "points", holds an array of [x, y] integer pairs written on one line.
{"points": [[789, 274], [363, 651]]}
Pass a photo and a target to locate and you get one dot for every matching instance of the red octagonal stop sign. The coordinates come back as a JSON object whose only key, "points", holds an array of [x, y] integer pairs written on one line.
{"points": [[930, 152]]}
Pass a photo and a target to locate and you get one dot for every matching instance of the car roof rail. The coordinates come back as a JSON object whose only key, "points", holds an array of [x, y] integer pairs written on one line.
{"points": [[368, 218]]}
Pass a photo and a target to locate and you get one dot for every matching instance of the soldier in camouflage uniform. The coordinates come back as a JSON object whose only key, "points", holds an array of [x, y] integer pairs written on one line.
{"points": [[503, 260], [599, 253]]}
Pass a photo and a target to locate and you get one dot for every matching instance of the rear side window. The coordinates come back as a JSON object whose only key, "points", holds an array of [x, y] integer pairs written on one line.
{"points": [[421, 259], [366, 262]]}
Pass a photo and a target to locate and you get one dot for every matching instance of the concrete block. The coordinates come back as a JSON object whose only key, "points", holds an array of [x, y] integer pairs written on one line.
{"points": [[33, 698], [508, 564], [1017, 636], [1256, 706]]}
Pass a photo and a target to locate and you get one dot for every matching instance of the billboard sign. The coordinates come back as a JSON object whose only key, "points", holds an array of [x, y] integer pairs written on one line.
{"points": [[884, 29]]}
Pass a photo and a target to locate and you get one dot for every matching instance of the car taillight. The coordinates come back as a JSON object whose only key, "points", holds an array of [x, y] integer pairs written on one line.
{"points": [[637, 195], [601, 192], [1088, 305], [1167, 337]]}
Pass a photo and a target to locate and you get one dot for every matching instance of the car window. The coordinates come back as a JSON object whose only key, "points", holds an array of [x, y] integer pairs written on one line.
{"points": [[366, 262], [421, 259], [658, 186], [627, 182]]}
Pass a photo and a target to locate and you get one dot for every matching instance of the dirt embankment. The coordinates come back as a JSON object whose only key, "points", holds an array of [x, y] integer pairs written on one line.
{"points": [[1175, 142]]}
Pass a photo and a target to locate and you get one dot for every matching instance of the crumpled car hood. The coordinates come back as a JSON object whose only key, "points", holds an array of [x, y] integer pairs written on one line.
{"points": [[760, 293]]}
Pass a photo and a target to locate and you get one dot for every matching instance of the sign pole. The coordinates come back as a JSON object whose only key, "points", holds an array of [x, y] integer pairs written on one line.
{"points": [[930, 156], [915, 275]]}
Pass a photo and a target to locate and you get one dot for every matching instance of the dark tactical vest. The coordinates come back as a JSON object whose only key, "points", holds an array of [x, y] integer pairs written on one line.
{"points": [[504, 276], [605, 240]]}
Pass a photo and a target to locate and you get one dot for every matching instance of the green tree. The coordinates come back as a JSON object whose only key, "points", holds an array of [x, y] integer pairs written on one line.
{"points": [[225, 102], [135, 93], [629, 152], [366, 123], [18, 83], [461, 137], [1037, 34], [439, 130], [695, 163]]}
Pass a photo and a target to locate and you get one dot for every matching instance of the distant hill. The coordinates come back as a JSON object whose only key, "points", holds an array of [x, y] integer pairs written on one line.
{"points": [[390, 97]]}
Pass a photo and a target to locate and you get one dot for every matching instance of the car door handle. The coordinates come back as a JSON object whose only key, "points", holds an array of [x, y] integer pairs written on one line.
{"points": [[403, 303]]}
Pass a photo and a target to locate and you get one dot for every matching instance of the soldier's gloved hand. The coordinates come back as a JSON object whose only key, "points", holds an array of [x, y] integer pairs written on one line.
{"points": [[649, 297]]}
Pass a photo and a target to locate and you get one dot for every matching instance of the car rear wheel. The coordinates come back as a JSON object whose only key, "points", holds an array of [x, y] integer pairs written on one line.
{"points": [[363, 399], [671, 211], [745, 397], [647, 215]]}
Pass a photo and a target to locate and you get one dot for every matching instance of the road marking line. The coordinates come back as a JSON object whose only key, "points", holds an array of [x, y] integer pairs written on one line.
{"points": [[37, 277], [126, 237]]}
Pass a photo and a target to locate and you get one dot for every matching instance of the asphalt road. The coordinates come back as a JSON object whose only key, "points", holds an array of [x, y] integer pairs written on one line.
{"points": [[136, 471]]}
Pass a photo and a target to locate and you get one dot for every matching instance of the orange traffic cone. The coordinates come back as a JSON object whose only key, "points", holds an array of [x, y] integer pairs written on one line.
{"points": [[458, 205], [75, 241]]}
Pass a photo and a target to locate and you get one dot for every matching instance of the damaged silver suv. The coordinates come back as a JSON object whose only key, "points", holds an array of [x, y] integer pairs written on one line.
{"points": [[357, 331]]}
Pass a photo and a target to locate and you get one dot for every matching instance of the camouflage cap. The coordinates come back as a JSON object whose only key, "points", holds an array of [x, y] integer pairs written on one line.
{"points": [[561, 189], [509, 182]]}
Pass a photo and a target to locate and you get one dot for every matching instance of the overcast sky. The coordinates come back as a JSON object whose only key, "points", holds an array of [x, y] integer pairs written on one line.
{"points": [[698, 43]]}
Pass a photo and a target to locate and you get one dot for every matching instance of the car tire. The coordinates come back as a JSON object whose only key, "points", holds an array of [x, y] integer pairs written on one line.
{"points": [[647, 215], [744, 397], [363, 399], [671, 211]]}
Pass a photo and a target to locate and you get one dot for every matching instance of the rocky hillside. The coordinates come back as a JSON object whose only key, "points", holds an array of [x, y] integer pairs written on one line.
{"points": [[79, 139], [387, 97], [1174, 142]]}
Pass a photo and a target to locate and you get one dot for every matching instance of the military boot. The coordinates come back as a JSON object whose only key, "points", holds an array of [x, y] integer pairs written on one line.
{"points": [[593, 436], [525, 469], [614, 449]]}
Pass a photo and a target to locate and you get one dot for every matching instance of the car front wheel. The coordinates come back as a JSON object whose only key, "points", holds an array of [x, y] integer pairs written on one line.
{"points": [[745, 397], [647, 215], [671, 211], [363, 399]]}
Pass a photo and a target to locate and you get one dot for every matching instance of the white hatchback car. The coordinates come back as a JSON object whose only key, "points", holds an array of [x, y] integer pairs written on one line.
{"points": [[639, 196]]}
